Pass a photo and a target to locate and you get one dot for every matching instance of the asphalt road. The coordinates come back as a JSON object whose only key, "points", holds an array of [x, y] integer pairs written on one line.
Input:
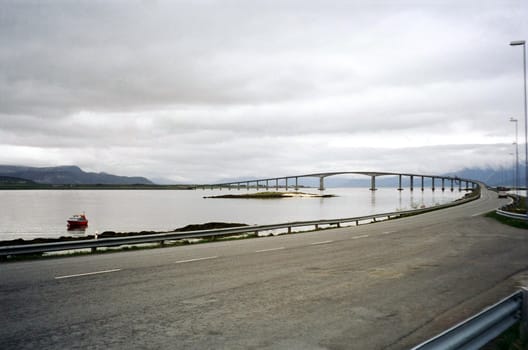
{"points": [[388, 285]]}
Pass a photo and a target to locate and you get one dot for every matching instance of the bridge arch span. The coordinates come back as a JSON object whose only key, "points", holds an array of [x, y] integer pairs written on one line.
{"points": [[282, 182]]}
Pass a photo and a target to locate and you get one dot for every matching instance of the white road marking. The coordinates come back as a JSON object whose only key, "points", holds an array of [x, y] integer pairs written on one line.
{"points": [[358, 237], [269, 250], [198, 259], [87, 274], [387, 232], [323, 242], [479, 214]]}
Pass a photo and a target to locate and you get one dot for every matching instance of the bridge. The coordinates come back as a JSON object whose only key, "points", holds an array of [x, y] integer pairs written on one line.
{"points": [[287, 182]]}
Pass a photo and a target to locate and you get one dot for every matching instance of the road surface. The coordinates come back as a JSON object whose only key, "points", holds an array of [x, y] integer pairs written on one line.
{"points": [[388, 285]]}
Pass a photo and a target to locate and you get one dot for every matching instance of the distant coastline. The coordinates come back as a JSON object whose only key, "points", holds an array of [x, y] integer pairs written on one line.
{"points": [[41, 186]]}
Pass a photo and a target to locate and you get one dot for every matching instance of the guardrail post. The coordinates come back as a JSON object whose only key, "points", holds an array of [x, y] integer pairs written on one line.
{"points": [[524, 316], [289, 229], [316, 227]]}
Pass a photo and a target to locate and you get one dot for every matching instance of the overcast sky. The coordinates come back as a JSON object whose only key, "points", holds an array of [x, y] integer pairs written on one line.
{"points": [[201, 91]]}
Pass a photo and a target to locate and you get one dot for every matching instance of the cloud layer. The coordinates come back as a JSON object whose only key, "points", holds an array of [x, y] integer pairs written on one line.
{"points": [[198, 91]]}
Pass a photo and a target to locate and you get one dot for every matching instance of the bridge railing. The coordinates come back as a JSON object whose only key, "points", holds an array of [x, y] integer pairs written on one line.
{"points": [[174, 236], [482, 328]]}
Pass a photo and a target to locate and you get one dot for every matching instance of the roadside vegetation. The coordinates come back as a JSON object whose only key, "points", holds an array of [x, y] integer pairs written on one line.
{"points": [[509, 340], [518, 206]]}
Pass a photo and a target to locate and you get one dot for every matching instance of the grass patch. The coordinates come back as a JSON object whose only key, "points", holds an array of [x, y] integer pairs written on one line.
{"points": [[509, 340], [508, 221]]}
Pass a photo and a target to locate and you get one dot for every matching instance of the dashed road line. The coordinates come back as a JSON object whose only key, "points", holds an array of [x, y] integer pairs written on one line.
{"points": [[87, 274], [387, 232], [322, 242], [269, 250], [197, 259], [358, 237]]}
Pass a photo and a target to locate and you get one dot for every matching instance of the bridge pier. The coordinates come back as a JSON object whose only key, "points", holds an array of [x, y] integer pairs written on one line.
{"points": [[247, 185], [296, 183], [257, 185], [267, 185], [276, 184], [373, 183], [433, 183], [412, 183], [286, 183], [400, 183], [451, 185], [321, 183], [422, 183], [459, 185], [443, 184]]}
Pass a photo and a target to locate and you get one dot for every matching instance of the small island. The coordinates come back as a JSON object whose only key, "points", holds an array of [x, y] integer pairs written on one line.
{"points": [[273, 195]]}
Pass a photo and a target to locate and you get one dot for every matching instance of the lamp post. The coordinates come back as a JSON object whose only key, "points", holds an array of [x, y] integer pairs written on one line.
{"points": [[523, 44], [516, 178]]}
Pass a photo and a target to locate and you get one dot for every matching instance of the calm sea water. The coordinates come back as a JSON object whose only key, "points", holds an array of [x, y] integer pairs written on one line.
{"points": [[42, 213]]}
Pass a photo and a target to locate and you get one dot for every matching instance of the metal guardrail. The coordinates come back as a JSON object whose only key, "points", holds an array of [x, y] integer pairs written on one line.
{"points": [[511, 215], [172, 236], [482, 328]]}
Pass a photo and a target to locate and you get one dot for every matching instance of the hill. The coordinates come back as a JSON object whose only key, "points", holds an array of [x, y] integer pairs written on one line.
{"points": [[67, 175]]}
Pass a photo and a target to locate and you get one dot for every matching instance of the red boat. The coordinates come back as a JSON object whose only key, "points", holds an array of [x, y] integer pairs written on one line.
{"points": [[78, 220]]}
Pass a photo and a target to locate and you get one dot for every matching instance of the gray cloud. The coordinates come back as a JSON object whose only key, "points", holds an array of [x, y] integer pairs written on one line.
{"points": [[202, 90]]}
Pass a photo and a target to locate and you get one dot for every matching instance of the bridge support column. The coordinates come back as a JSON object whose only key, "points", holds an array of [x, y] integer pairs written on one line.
{"points": [[422, 183], [238, 186], [286, 183], [373, 183], [412, 183], [276, 184], [451, 185], [296, 184], [267, 185], [321, 183], [433, 183], [247, 185], [257, 185], [443, 184], [399, 183], [467, 186], [459, 185]]}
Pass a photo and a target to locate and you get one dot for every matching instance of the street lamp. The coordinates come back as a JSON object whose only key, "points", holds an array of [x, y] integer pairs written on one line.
{"points": [[523, 44], [516, 178]]}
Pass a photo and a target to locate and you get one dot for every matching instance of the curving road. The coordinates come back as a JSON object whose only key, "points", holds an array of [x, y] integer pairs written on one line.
{"points": [[388, 285]]}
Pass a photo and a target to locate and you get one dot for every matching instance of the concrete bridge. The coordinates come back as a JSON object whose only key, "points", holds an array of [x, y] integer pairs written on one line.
{"points": [[287, 182]]}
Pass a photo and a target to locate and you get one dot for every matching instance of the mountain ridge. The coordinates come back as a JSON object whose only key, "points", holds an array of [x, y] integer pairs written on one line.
{"points": [[68, 175]]}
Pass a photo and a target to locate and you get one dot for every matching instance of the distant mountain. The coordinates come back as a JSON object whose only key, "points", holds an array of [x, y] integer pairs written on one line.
{"points": [[68, 175], [10, 180]]}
